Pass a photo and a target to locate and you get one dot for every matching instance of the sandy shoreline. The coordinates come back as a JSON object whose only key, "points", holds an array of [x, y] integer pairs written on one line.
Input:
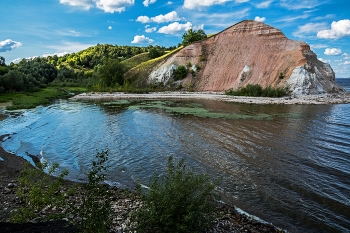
{"points": [[309, 99]]}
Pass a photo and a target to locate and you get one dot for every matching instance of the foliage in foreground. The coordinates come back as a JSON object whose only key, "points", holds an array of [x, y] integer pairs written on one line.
{"points": [[257, 91], [94, 209], [38, 191], [179, 202]]}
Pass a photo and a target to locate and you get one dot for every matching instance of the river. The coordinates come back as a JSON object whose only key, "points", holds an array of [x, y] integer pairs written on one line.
{"points": [[287, 164]]}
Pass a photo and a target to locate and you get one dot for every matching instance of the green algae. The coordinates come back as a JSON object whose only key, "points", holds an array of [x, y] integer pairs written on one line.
{"points": [[118, 102]]}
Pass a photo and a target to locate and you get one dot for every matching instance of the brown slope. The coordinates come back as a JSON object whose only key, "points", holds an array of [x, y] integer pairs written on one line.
{"points": [[247, 52]]}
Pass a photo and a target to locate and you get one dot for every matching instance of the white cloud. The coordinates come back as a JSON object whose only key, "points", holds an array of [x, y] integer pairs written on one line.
{"points": [[264, 4], [141, 40], [69, 47], [259, 19], [143, 19], [309, 28], [149, 29], [57, 54], [346, 63], [8, 45], [241, 1], [193, 4], [324, 61], [338, 30], [84, 4], [300, 4], [111, 6], [346, 56], [329, 16], [169, 3], [291, 19], [146, 3], [171, 16], [175, 28], [318, 46], [332, 51], [110, 27]]}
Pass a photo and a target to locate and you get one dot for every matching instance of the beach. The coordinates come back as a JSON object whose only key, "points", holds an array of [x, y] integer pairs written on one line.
{"points": [[339, 98]]}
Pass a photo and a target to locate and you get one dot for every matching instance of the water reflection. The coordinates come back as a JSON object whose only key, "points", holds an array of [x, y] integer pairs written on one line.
{"points": [[288, 164]]}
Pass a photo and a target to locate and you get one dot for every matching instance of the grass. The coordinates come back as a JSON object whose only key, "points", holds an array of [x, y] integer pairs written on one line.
{"points": [[27, 100]]}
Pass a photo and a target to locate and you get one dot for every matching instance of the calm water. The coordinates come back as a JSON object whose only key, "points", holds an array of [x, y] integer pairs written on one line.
{"points": [[289, 165]]}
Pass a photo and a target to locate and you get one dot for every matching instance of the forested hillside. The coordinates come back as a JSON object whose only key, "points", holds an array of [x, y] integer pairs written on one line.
{"points": [[97, 67]]}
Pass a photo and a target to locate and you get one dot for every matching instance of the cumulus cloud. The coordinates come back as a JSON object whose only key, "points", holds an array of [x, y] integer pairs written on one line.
{"points": [[241, 1], [259, 19], [150, 29], [83, 4], [108, 6], [309, 28], [111, 6], [264, 4], [171, 16], [346, 63], [175, 28], [141, 40], [324, 60], [146, 3], [346, 56], [110, 27], [8, 45], [338, 30], [193, 4], [332, 51]]}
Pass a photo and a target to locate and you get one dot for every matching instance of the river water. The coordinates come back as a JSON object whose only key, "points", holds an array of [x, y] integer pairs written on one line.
{"points": [[287, 164]]}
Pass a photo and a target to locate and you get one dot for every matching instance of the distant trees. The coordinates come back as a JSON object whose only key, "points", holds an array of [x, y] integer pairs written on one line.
{"points": [[111, 73], [155, 52], [191, 36], [2, 61]]}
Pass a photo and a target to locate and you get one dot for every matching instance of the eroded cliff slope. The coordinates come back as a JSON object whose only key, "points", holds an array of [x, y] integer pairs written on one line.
{"points": [[248, 52]]}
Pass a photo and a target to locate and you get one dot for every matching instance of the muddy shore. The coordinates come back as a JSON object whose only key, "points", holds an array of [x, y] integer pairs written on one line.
{"points": [[341, 98], [123, 203]]}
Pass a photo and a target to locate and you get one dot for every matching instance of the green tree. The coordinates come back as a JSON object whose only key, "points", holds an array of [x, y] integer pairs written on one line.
{"points": [[191, 36], [155, 52], [111, 73]]}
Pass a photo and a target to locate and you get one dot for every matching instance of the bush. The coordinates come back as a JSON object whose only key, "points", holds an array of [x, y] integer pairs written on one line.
{"points": [[39, 191], [179, 202], [180, 73], [257, 91], [93, 211]]}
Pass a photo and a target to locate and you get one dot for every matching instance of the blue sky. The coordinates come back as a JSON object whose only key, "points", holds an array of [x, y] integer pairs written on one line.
{"points": [[32, 28]]}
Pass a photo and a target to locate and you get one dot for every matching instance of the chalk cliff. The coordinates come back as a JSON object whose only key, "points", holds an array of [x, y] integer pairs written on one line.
{"points": [[248, 52]]}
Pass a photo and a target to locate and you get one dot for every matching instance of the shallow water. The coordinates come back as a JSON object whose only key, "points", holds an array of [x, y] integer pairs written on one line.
{"points": [[287, 164]]}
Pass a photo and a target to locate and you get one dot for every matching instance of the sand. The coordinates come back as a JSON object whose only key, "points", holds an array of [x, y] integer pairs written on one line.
{"points": [[308, 99]]}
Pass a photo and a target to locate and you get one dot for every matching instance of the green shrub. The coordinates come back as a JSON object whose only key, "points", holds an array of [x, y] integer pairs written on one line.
{"points": [[93, 211], [179, 202], [180, 73], [256, 90], [281, 76], [39, 191], [202, 57]]}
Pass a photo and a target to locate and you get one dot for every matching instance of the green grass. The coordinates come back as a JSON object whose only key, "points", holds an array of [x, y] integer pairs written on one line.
{"points": [[27, 100]]}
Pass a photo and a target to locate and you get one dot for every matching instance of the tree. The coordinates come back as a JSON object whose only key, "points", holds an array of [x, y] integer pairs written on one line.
{"points": [[2, 61], [191, 36], [155, 52], [111, 73]]}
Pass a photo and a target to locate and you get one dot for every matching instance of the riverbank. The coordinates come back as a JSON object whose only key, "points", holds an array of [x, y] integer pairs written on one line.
{"points": [[342, 98], [123, 202]]}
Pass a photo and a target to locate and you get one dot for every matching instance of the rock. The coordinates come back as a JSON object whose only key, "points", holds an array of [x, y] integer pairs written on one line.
{"points": [[11, 185], [249, 52]]}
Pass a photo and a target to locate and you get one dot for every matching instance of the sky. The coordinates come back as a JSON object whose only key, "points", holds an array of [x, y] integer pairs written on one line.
{"points": [[31, 28]]}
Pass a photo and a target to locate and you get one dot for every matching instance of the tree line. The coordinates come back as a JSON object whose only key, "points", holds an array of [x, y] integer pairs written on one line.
{"points": [[101, 65]]}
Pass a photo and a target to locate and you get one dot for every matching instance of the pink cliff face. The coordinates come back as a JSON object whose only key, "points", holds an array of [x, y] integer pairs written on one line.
{"points": [[250, 53]]}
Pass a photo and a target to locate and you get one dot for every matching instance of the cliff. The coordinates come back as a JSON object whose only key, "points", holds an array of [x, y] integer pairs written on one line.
{"points": [[248, 52]]}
